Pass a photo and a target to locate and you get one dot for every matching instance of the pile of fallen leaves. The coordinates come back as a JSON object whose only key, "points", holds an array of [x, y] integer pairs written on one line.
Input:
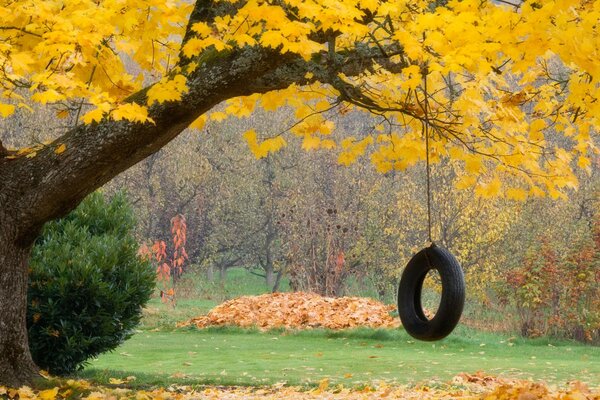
{"points": [[463, 386], [298, 310]]}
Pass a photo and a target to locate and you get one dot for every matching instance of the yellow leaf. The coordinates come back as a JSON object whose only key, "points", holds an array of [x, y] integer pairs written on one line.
{"points": [[60, 149], [168, 90], [199, 123], [473, 165], [195, 46], [6, 109], [584, 162], [536, 133], [48, 96], [21, 61], [273, 144], [44, 374], [241, 106], [311, 142], [323, 385], [93, 116], [272, 39], [49, 394], [261, 150], [328, 144], [412, 77], [131, 112], [25, 392], [201, 29], [218, 116], [62, 114], [271, 101]]}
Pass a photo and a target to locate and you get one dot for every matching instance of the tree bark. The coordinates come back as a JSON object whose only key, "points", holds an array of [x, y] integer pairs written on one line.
{"points": [[16, 365], [222, 274], [270, 276], [210, 273], [275, 287]]}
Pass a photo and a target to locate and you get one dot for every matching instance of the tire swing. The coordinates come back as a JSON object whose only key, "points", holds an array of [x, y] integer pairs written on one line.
{"points": [[409, 294], [435, 257]]}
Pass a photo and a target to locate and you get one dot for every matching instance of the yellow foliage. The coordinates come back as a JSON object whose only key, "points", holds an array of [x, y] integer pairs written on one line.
{"points": [[489, 189], [262, 149], [167, 90], [494, 85], [352, 149], [130, 112]]}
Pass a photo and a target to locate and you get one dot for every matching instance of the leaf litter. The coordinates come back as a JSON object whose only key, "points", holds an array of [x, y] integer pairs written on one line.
{"points": [[298, 310], [463, 386]]}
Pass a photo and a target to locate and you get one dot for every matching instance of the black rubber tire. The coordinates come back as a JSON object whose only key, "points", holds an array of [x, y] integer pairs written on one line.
{"points": [[453, 294]]}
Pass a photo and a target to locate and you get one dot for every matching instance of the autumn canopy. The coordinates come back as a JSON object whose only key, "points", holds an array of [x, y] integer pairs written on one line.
{"points": [[508, 90]]}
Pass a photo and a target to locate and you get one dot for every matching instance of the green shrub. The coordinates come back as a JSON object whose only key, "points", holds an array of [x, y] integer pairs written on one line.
{"points": [[87, 285]]}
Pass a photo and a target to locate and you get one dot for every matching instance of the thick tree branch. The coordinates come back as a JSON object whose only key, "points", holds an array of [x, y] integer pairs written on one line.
{"points": [[52, 184]]}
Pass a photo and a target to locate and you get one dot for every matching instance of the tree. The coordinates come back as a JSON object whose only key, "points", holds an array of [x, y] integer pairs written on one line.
{"points": [[483, 80]]}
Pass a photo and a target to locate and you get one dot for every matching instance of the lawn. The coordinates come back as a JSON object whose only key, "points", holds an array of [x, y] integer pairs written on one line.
{"points": [[233, 356], [158, 354]]}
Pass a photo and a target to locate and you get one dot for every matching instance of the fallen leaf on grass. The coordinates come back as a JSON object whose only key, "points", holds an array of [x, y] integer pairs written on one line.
{"points": [[49, 394], [472, 386], [116, 381]]}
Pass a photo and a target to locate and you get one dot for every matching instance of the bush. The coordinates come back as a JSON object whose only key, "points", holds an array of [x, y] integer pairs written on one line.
{"points": [[87, 285], [557, 294]]}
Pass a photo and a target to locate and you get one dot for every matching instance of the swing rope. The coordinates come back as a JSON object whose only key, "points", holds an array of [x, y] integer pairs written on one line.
{"points": [[428, 167]]}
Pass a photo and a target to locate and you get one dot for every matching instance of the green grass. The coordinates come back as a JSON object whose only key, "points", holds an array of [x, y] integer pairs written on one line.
{"points": [[159, 354], [233, 356], [161, 316]]}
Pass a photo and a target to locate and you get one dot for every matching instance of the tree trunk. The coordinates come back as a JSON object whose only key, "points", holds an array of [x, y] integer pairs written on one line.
{"points": [[275, 287], [222, 274], [16, 365], [270, 275]]}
